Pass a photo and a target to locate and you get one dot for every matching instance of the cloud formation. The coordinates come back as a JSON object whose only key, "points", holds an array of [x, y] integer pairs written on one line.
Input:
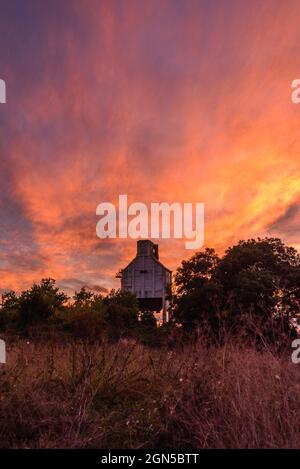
{"points": [[163, 101]]}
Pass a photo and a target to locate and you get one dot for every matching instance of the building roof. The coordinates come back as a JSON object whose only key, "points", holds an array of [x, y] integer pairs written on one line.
{"points": [[153, 253], [154, 258]]}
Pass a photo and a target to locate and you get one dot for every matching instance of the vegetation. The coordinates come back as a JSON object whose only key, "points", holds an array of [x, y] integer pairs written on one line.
{"points": [[93, 371], [43, 311], [126, 395], [256, 283], [254, 289]]}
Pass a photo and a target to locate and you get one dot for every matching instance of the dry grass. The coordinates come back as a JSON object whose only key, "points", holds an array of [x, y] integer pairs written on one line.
{"points": [[128, 396]]}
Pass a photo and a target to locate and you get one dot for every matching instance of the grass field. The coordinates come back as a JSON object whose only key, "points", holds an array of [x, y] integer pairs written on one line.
{"points": [[130, 396]]}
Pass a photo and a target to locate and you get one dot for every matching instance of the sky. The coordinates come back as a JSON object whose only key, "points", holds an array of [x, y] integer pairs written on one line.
{"points": [[168, 100]]}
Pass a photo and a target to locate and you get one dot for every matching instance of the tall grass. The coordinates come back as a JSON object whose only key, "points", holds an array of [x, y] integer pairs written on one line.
{"points": [[129, 396]]}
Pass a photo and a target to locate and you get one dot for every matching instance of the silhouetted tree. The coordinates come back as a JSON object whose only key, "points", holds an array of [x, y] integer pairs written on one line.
{"points": [[197, 293], [40, 302], [256, 279], [83, 298], [9, 310], [121, 315], [262, 275]]}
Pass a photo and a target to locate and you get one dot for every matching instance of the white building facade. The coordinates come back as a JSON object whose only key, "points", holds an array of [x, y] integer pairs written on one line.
{"points": [[148, 279]]}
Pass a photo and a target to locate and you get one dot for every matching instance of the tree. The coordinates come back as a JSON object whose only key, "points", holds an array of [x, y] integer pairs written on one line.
{"points": [[197, 294], [262, 275], [124, 298], [9, 310], [40, 302], [255, 279], [121, 315], [84, 318], [196, 271], [83, 298]]}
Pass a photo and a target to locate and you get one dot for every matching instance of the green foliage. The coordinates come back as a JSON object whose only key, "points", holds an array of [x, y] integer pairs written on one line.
{"points": [[254, 286], [261, 275], [197, 292], [124, 298], [196, 271], [43, 309], [83, 298], [147, 330], [9, 310], [40, 302], [84, 318], [32, 308], [82, 324], [257, 279], [148, 320], [121, 315]]}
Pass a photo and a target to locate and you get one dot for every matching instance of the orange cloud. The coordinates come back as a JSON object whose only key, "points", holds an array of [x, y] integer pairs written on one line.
{"points": [[189, 104]]}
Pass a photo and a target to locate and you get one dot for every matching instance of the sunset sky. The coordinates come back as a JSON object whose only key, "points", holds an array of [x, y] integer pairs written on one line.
{"points": [[177, 100]]}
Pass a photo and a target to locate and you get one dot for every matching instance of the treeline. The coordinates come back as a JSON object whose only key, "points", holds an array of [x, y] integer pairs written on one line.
{"points": [[253, 291], [44, 311]]}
